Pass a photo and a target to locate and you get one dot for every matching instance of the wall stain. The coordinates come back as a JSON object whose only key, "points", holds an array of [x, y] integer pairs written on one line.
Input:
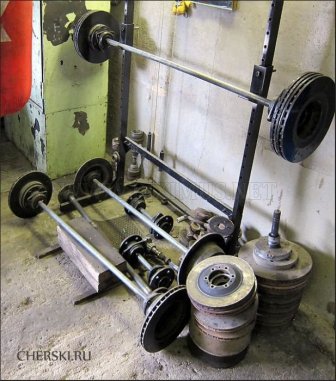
{"points": [[331, 307], [35, 128], [42, 146], [280, 198], [56, 24], [81, 122], [321, 183]]}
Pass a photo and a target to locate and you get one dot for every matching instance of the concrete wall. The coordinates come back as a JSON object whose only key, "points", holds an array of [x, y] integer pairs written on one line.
{"points": [[202, 129]]}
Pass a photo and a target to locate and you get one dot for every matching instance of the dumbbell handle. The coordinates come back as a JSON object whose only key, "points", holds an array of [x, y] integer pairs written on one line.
{"points": [[141, 217]]}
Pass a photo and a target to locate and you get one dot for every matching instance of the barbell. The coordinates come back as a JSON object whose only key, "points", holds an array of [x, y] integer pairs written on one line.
{"points": [[300, 117]]}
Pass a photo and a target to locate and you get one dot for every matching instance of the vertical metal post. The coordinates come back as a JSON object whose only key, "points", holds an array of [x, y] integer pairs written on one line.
{"points": [[127, 30], [261, 80]]}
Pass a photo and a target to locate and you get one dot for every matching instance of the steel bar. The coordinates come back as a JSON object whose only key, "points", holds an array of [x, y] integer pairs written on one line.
{"points": [[93, 251], [141, 217], [260, 83], [81, 210], [179, 177], [138, 279], [145, 263], [224, 85]]}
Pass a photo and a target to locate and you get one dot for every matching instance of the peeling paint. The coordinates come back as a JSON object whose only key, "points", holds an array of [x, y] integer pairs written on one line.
{"points": [[35, 128], [81, 122], [56, 23]]}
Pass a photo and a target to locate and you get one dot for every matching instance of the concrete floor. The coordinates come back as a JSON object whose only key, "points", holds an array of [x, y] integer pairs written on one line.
{"points": [[37, 313]]}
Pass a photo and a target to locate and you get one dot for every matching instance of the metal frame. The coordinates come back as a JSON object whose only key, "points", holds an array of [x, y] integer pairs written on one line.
{"points": [[260, 83]]}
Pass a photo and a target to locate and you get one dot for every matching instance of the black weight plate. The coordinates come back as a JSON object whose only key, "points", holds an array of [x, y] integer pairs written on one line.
{"points": [[137, 200], [281, 105], [166, 319], [308, 119], [15, 202], [166, 223], [278, 108], [64, 193], [82, 32], [298, 84], [99, 169]]}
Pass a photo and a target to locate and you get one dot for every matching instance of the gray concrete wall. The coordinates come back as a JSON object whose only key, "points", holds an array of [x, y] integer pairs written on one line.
{"points": [[203, 128]]}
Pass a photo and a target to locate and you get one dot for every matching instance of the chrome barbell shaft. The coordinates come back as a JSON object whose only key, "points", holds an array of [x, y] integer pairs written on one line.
{"points": [[224, 85], [94, 252], [141, 217]]}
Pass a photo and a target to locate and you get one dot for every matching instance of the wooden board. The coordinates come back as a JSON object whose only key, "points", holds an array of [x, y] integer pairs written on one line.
{"points": [[96, 274]]}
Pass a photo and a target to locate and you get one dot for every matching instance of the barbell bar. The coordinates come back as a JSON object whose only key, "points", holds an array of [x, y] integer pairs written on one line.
{"points": [[299, 119]]}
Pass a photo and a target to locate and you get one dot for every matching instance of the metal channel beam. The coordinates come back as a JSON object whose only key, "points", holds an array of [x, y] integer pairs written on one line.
{"points": [[127, 31], [261, 80]]}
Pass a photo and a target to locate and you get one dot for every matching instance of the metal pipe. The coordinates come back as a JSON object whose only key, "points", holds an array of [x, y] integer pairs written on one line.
{"points": [[144, 262], [224, 85], [138, 279], [226, 209], [141, 217], [81, 210], [93, 251], [143, 211]]}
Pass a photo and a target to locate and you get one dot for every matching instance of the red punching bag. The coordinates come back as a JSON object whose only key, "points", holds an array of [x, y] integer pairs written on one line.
{"points": [[15, 55]]}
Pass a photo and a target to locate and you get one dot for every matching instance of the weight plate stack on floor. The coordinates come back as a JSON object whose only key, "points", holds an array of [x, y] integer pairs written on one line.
{"points": [[282, 274], [223, 294]]}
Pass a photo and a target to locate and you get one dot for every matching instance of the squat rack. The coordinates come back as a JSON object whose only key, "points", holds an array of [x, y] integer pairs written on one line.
{"points": [[260, 82]]}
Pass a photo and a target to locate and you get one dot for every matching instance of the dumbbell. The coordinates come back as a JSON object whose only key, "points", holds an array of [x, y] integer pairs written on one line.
{"points": [[133, 249]]}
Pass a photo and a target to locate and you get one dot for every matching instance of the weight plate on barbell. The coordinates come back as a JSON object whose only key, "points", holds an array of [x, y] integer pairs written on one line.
{"points": [[304, 117], [165, 319], [83, 29], [23, 188], [99, 169], [281, 104], [65, 193], [287, 94]]}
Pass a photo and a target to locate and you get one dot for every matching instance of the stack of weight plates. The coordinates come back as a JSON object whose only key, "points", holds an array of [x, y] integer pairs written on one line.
{"points": [[282, 274], [223, 293]]}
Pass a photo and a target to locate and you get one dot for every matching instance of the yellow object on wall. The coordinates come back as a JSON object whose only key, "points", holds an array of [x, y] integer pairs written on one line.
{"points": [[181, 8]]}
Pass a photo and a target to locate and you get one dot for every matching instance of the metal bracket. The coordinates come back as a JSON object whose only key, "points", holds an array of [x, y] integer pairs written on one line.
{"points": [[261, 76]]}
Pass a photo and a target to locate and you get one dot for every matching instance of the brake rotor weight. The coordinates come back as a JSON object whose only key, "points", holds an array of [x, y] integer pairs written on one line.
{"points": [[99, 169], [301, 116], [220, 225], [164, 222], [165, 319], [281, 104], [27, 191], [209, 245], [282, 274], [89, 34], [222, 291], [65, 193]]}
